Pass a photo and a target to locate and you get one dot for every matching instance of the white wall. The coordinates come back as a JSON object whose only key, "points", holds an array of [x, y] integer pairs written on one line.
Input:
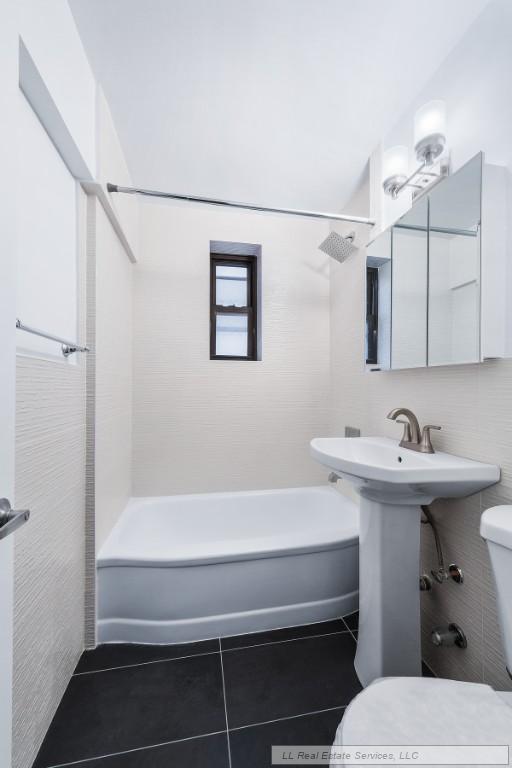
{"points": [[49, 550], [113, 364], [472, 403], [53, 582], [109, 392], [202, 425], [47, 262], [111, 167], [48, 31], [50, 397], [8, 163]]}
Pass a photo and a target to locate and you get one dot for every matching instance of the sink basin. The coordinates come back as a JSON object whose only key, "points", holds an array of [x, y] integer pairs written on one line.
{"points": [[393, 483], [379, 468]]}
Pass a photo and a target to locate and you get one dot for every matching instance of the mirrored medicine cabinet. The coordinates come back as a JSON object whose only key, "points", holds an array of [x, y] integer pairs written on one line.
{"points": [[424, 297]]}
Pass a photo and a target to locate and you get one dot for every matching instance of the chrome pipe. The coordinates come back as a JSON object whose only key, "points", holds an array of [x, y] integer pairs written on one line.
{"points": [[245, 206], [67, 347]]}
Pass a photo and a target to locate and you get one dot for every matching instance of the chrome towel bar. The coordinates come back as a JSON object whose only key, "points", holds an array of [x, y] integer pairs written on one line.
{"points": [[67, 347]]}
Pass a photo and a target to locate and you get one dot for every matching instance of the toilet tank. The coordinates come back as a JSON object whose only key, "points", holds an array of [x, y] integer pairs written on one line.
{"points": [[496, 529]]}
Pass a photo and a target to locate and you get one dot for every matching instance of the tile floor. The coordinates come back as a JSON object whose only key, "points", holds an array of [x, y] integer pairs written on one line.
{"points": [[217, 703]]}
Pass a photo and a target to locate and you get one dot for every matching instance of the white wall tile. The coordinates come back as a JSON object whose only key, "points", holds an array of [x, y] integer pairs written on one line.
{"points": [[203, 425], [49, 584]]}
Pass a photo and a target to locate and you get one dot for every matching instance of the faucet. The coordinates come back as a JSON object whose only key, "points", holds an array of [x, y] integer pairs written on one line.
{"points": [[411, 437]]}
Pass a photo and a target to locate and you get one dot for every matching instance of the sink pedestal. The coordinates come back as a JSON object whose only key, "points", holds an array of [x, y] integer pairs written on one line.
{"points": [[393, 482], [389, 637]]}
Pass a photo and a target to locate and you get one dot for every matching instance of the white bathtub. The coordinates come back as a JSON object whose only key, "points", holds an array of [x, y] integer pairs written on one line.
{"points": [[183, 568]]}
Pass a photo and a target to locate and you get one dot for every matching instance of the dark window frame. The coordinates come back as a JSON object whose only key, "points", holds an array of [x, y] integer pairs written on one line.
{"points": [[372, 315], [250, 311]]}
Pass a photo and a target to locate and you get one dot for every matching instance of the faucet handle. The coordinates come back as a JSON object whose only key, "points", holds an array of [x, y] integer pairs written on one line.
{"points": [[426, 444], [406, 437]]}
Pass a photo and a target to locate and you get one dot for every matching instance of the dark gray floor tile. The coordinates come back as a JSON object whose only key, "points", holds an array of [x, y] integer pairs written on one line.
{"points": [[208, 751], [284, 679], [122, 709], [352, 620], [113, 655], [251, 747], [289, 633]]}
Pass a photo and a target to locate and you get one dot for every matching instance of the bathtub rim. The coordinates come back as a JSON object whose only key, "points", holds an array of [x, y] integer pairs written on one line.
{"points": [[350, 537]]}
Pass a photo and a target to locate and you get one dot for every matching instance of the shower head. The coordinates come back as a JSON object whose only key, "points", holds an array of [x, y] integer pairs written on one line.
{"points": [[338, 247]]}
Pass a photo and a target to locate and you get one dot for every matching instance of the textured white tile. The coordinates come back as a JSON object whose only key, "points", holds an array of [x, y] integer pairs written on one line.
{"points": [[109, 392], [113, 370], [49, 583], [202, 425]]}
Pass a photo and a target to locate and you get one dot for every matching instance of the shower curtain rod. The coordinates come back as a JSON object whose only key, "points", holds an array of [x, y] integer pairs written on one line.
{"points": [[246, 206]]}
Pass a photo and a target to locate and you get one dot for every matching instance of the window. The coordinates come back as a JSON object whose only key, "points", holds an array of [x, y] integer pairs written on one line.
{"points": [[372, 313], [233, 307]]}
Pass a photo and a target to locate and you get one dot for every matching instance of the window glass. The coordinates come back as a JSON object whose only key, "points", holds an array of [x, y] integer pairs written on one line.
{"points": [[231, 335], [231, 286]]}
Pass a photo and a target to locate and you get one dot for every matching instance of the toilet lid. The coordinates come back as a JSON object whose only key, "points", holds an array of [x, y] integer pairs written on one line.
{"points": [[412, 710]]}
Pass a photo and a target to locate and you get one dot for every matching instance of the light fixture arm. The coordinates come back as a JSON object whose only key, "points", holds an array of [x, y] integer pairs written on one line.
{"points": [[395, 189]]}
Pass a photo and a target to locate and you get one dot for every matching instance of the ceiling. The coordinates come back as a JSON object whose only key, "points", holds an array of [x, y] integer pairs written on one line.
{"points": [[278, 102]]}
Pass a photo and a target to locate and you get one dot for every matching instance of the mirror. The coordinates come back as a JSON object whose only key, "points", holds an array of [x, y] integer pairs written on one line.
{"points": [[454, 268], [410, 273], [423, 285]]}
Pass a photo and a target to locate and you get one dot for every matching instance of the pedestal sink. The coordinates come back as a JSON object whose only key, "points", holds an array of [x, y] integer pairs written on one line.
{"points": [[393, 482]]}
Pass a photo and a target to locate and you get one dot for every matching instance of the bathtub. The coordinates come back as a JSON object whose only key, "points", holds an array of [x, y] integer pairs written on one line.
{"points": [[183, 568]]}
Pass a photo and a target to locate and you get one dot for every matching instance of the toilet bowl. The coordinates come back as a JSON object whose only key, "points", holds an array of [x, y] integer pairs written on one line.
{"points": [[432, 711]]}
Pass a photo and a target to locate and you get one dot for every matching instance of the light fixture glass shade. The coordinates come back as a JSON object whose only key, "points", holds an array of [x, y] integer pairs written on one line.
{"points": [[395, 169], [430, 130], [395, 162]]}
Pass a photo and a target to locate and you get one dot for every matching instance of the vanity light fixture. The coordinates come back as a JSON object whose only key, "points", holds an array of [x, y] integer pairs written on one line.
{"points": [[430, 131], [429, 144], [395, 169]]}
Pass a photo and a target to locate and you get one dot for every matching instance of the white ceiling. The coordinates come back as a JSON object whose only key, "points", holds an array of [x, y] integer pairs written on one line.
{"points": [[277, 102]]}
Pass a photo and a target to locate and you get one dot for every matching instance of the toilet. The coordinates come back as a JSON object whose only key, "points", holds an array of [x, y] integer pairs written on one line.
{"points": [[432, 711]]}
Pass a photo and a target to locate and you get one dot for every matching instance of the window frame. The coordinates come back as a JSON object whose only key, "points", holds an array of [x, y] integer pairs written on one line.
{"points": [[250, 311]]}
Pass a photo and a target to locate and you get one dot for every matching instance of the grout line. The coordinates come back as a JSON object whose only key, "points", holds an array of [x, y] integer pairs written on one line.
{"points": [[289, 640], [289, 717], [211, 653], [214, 733], [145, 663], [136, 749], [225, 702], [200, 736], [354, 638]]}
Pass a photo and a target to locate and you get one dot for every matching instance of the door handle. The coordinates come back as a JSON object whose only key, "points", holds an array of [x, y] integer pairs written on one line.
{"points": [[11, 519]]}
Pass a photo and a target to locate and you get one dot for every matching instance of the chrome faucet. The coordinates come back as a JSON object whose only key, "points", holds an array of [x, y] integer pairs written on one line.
{"points": [[411, 437]]}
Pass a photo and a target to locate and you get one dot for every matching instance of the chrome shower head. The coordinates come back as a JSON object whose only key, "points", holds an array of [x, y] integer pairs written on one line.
{"points": [[338, 247]]}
